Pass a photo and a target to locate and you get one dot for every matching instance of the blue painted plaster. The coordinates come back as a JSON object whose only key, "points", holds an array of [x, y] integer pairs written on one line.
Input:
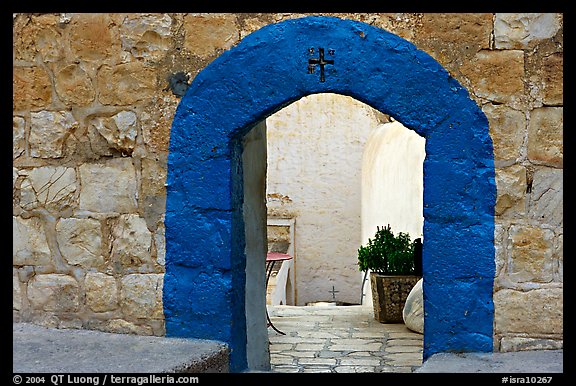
{"points": [[204, 285]]}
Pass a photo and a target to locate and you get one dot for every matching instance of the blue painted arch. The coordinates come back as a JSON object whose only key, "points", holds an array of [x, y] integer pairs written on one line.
{"points": [[204, 284]]}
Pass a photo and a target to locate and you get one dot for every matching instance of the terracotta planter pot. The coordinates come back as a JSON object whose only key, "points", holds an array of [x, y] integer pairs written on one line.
{"points": [[389, 293]]}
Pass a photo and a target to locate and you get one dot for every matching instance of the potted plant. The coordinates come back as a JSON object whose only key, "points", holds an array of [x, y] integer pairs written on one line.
{"points": [[395, 266]]}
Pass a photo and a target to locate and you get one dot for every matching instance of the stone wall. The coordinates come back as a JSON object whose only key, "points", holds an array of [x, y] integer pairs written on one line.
{"points": [[92, 110]]}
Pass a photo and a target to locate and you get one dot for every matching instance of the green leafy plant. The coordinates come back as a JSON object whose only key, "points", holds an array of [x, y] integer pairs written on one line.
{"points": [[388, 254]]}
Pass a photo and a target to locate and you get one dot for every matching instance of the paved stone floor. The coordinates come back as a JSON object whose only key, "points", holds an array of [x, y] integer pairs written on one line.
{"points": [[340, 339]]}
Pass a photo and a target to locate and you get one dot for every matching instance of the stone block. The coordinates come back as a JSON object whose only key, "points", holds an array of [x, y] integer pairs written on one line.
{"points": [[48, 131], [119, 130], [496, 75], [507, 129], [524, 30], [514, 344], [31, 88], [18, 139], [29, 244], [535, 312], [109, 187], [531, 254], [511, 184], [141, 296], [50, 187], [94, 37], [126, 84], [131, 243], [545, 136], [146, 36], [16, 291], [54, 293], [205, 34], [74, 86], [80, 241], [547, 196], [552, 72], [101, 292]]}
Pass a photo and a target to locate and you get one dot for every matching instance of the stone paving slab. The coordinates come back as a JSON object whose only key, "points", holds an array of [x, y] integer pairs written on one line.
{"points": [[39, 349], [340, 339]]}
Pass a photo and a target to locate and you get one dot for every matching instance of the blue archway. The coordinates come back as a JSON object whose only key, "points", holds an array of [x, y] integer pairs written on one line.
{"points": [[204, 285]]}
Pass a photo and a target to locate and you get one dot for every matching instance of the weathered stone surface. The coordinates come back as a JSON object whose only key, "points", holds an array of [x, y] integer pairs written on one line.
{"points": [[109, 187], [80, 241], [16, 291], [523, 30], [513, 344], [119, 130], [545, 136], [156, 122], [507, 129], [511, 187], [101, 292], [153, 190], [530, 250], [54, 293], [18, 139], [93, 37], [29, 245], [552, 88], [538, 311], [205, 34], [126, 84], [37, 33], [120, 326], [559, 253], [547, 196], [141, 296], [496, 75], [160, 242], [146, 36], [51, 187], [31, 88], [74, 86], [131, 243], [48, 132], [413, 313]]}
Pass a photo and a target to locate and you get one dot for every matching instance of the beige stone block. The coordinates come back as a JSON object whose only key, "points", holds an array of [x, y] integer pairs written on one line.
{"points": [[31, 88], [120, 326], [530, 250], [545, 136], [126, 84], [470, 29], [80, 241], [16, 291], [141, 296], [29, 244], [131, 243], [146, 36], [93, 37], [51, 187], [524, 30], [511, 187], [37, 33], [109, 187], [538, 311], [507, 129], [514, 344], [48, 131], [547, 196], [496, 75], [101, 292], [54, 293], [18, 139], [552, 71], [74, 86], [119, 130], [205, 34], [153, 190]]}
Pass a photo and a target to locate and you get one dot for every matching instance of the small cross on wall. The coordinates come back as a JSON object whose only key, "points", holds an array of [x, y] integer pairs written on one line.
{"points": [[320, 61], [333, 292]]}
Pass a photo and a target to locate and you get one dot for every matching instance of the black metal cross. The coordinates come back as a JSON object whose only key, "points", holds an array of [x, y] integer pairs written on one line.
{"points": [[320, 61], [333, 292]]}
